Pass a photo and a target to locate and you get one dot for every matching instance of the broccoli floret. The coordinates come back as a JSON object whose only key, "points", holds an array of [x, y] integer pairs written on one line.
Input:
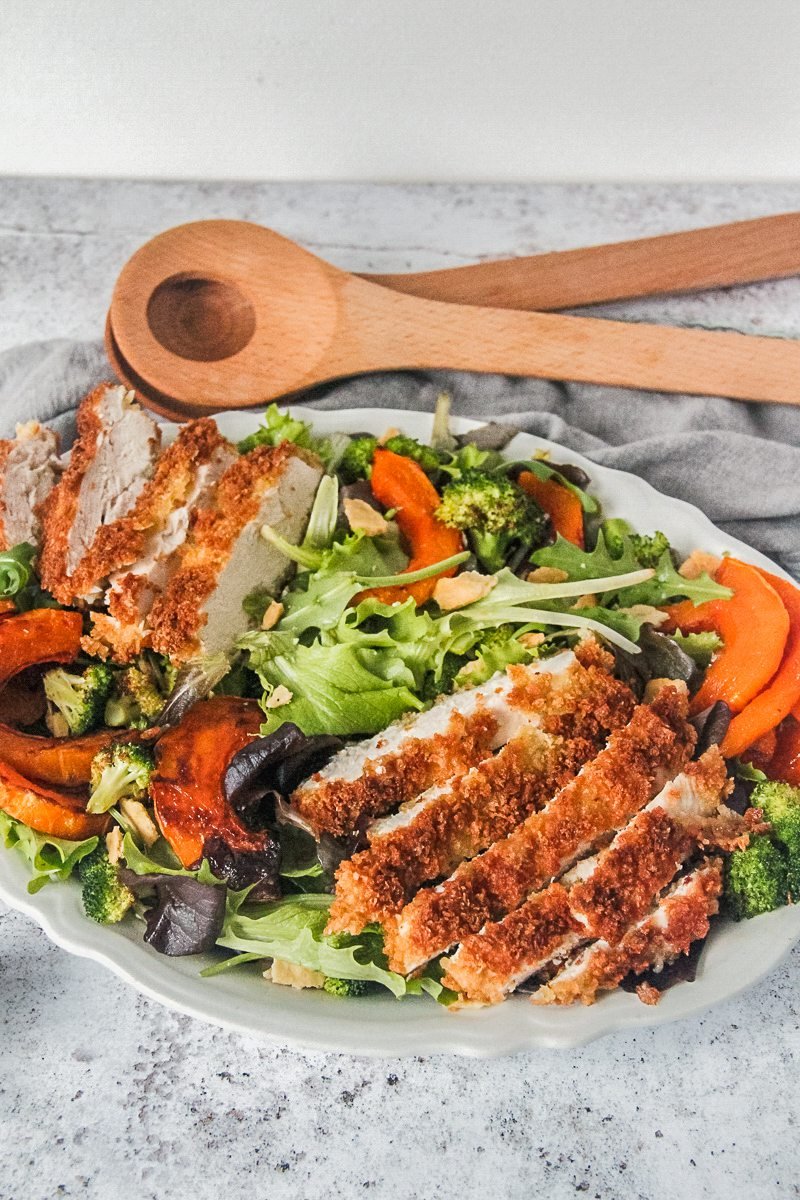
{"points": [[105, 897], [345, 987], [781, 805], [428, 458], [141, 688], [140, 693], [496, 515], [650, 548], [77, 702], [755, 879], [119, 771], [356, 462]]}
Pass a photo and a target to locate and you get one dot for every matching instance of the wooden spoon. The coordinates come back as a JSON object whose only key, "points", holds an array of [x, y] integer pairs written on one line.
{"points": [[718, 256], [225, 314]]}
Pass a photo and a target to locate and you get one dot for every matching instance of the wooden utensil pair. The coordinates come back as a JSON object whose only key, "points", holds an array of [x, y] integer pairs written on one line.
{"points": [[227, 314]]}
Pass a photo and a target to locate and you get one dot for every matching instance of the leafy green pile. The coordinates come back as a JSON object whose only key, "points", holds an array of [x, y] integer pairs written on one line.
{"points": [[353, 667]]}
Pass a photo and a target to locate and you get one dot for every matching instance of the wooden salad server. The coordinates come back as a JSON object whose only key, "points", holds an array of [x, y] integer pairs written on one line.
{"points": [[226, 314], [717, 256]]}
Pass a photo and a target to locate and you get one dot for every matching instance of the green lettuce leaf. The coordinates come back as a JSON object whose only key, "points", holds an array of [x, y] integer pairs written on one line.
{"points": [[344, 689], [281, 426], [160, 860], [700, 646], [50, 858], [16, 569], [293, 930]]}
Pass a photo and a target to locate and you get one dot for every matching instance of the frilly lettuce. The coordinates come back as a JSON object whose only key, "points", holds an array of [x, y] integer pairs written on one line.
{"points": [[281, 426], [293, 930], [50, 858]]}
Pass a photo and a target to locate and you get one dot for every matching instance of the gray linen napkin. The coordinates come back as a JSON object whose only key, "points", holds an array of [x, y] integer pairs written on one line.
{"points": [[739, 463]]}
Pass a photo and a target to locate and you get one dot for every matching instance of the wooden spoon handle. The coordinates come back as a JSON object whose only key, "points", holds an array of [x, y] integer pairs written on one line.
{"points": [[404, 332], [719, 256]]}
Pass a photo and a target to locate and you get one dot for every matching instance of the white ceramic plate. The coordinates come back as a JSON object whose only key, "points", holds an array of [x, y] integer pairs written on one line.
{"points": [[736, 956]]}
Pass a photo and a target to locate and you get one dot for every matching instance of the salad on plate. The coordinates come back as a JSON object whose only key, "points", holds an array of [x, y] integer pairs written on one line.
{"points": [[362, 713]]}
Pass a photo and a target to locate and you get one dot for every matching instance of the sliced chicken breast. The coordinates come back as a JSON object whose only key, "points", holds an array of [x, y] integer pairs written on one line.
{"points": [[224, 558], [29, 470], [423, 750], [606, 894], [457, 820], [605, 794], [138, 554], [110, 464], [668, 931]]}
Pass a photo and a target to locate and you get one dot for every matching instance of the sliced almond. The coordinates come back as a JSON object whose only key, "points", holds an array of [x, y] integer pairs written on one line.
{"points": [[647, 614], [114, 844], [278, 697], [462, 589], [656, 686], [291, 975], [137, 815], [272, 614], [531, 640], [547, 575], [587, 601], [698, 562], [388, 434], [363, 518]]}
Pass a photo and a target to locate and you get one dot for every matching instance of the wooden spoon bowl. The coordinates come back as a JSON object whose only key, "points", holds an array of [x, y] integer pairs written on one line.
{"points": [[226, 314]]}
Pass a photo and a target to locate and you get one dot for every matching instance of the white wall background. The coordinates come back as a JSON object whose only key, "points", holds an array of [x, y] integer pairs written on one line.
{"points": [[401, 89]]}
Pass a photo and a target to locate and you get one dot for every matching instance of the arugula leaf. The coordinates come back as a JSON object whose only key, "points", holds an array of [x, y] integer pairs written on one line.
{"points": [[588, 564], [665, 583], [50, 858]]}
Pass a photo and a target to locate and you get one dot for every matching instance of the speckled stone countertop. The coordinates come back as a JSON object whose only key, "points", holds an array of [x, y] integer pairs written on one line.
{"points": [[104, 1094]]}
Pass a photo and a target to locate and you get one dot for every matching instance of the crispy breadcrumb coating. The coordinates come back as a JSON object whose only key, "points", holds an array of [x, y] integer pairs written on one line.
{"points": [[61, 507], [607, 894], [681, 918], [632, 768], [459, 819], [178, 615]]}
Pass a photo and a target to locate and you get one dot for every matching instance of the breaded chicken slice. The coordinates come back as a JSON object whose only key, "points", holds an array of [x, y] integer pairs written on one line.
{"points": [[111, 462], [625, 775], [663, 935], [376, 776], [137, 555], [458, 819], [224, 557], [608, 893], [29, 470]]}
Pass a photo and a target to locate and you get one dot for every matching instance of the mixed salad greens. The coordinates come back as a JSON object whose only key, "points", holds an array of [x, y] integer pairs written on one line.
{"points": [[424, 569]]}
